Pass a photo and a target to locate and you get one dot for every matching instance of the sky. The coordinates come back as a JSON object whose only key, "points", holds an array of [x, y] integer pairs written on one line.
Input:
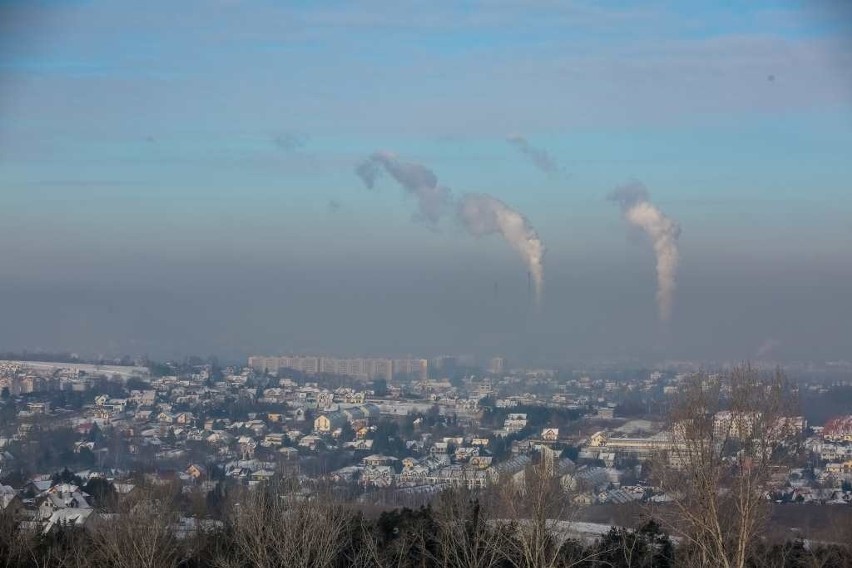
{"points": [[179, 178]]}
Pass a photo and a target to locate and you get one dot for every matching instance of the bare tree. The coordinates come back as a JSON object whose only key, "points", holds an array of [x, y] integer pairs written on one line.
{"points": [[14, 543], [465, 537], [728, 435], [278, 525], [141, 533], [539, 512]]}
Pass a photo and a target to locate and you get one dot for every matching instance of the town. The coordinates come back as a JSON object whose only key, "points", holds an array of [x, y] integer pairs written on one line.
{"points": [[389, 432]]}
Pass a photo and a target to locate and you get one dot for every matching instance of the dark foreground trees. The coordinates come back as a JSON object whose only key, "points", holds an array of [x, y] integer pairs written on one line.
{"points": [[268, 528]]}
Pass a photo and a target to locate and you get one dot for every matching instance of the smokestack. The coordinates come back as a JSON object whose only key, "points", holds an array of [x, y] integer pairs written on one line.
{"points": [[663, 232], [529, 283], [482, 214]]}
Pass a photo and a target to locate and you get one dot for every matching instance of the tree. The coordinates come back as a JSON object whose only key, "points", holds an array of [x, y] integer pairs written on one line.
{"points": [[135, 383], [347, 433], [140, 535], [539, 511], [646, 547], [277, 525], [728, 433], [380, 387], [101, 490], [95, 434], [66, 476], [465, 538]]}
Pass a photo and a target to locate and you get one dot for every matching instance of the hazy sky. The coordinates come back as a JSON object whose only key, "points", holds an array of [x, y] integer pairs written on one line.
{"points": [[179, 177]]}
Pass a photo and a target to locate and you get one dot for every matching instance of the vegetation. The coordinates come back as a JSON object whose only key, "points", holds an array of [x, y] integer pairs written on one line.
{"points": [[281, 525]]}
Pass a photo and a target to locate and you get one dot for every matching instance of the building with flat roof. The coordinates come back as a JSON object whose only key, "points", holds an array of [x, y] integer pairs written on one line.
{"points": [[357, 367]]}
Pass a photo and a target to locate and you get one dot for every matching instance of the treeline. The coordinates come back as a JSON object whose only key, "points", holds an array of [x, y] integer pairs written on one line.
{"points": [[282, 525]]}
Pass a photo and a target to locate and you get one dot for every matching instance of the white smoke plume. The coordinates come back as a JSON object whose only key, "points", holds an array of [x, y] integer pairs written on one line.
{"points": [[663, 232], [433, 198], [482, 214], [540, 158]]}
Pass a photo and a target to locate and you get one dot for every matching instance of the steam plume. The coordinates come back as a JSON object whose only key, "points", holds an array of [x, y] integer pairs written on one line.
{"points": [[482, 214], [479, 213], [539, 157], [663, 232], [433, 199], [368, 171]]}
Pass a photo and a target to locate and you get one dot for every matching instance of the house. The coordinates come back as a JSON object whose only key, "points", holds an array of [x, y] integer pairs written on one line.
{"points": [[257, 426], [606, 413], [481, 462], [509, 468], [597, 439], [466, 452], [143, 397], [329, 421], [310, 441], [68, 517], [10, 502], [360, 444], [414, 473], [379, 459], [143, 415], [550, 434], [165, 418], [196, 471], [346, 474], [515, 422], [261, 475], [219, 437], [61, 496], [325, 400], [840, 468], [274, 440], [184, 418], [378, 475]]}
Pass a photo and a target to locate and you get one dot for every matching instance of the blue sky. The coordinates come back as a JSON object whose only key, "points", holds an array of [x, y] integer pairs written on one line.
{"points": [[164, 132]]}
